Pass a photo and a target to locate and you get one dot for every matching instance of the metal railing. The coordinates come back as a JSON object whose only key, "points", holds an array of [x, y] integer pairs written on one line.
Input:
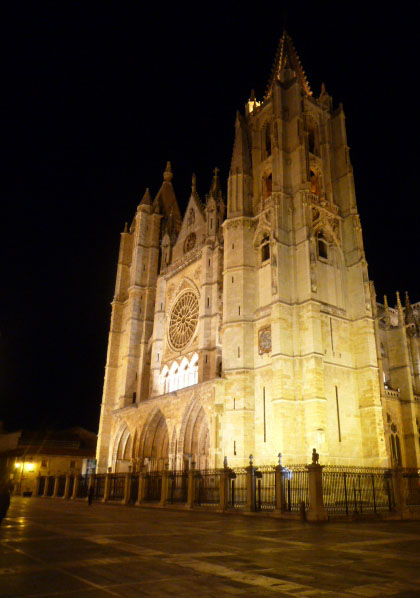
{"points": [[41, 485], [357, 490], [134, 487], [116, 486], [153, 486], [50, 487], [265, 488], [411, 487], [99, 486], [82, 490], [178, 486], [237, 488], [61, 485], [207, 487], [295, 488]]}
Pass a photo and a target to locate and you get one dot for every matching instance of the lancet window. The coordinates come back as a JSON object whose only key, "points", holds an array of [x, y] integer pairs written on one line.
{"points": [[322, 246], [179, 375], [267, 140], [265, 248]]}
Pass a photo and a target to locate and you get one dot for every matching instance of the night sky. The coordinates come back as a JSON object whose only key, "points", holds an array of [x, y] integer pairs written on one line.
{"points": [[98, 96]]}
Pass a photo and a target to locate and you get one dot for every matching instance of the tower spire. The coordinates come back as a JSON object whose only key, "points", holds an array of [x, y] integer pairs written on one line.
{"points": [[287, 58], [241, 162]]}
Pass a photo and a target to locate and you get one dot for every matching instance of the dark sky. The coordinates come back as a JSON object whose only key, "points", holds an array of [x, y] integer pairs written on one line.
{"points": [[98, 96]]}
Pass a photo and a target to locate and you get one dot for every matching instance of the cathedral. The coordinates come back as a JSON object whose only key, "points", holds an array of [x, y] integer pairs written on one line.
{"points": [[249, 325]]}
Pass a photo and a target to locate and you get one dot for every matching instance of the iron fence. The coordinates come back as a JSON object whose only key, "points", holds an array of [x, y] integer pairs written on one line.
{"points": [[153, 490], [71, 486], [99, 486], [237, 488], [357, 490], [82, 490], [134, 487], [295, 488], [178, 486], [207, 487], [116, 486], [265, 488], [411, 487]]}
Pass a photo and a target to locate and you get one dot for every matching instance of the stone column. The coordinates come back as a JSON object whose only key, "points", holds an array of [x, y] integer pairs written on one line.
{"points": [[192, 475], [47, 480], [165, 487], [398, 489], [142, 488], [67, 487], [127, 488], [75, 487], [107, 487], [317, 510], [56, 482]]}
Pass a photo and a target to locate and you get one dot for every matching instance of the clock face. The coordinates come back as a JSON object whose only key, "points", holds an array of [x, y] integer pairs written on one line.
{"points": [[183, 320], [264, 340], [189, 242]]}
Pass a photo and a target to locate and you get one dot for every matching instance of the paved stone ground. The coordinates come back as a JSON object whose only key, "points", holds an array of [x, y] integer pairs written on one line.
{"points": [[69, 550]]}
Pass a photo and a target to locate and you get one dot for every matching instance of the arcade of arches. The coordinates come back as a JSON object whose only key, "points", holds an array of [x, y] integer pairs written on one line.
{"points": [[153, 448]]}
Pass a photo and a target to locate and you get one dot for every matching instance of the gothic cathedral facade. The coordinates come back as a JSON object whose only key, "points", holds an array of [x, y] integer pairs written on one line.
{"points": [[251, 327]]}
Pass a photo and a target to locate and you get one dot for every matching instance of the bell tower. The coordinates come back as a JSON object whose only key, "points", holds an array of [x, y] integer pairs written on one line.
{"points": [[298, 332]]}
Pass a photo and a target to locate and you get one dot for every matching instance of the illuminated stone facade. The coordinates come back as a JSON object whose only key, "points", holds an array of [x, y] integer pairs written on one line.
{"points": [[255, 331]]}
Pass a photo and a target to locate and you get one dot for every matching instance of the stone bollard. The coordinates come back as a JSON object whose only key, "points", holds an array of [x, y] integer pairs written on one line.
{"points": [[141, 494], [164, 495], [66, 487], [317, 510], [75, 487], [398, 489], [226, 474], [107, 487], [56, 482], [127, 488], [192, 476]]}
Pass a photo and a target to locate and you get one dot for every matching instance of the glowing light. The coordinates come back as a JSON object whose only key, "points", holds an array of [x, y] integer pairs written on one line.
{"points": [[29, 467], [17, 465]]}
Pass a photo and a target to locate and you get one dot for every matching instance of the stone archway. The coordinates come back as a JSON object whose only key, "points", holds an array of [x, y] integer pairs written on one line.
{"points": [[195, 437], [154, 443]]}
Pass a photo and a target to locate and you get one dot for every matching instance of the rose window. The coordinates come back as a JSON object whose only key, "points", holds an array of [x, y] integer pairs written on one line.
{"points": [[183, 320]]}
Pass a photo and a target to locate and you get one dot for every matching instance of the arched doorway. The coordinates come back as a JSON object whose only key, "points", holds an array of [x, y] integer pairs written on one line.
{"points": [[154, 443], [195, 438]]}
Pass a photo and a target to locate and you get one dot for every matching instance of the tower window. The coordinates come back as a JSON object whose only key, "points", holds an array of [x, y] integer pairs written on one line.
{"points": [[267, 140], [311, 141], [268, 185], [265, 248], [322, 247]]}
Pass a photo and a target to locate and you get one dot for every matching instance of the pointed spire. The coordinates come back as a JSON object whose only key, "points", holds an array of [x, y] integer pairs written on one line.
{"points": [[194, 185], [387, 316], [167, 175], [126, 227], [287, 58], [400, 310], [215, 190], [241, 162], [147, 200]]}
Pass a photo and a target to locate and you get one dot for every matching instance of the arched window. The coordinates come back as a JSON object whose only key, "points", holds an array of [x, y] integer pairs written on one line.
{"points": [[268, 185], [322, 246], [315, 181], [193, 373], [267, 140], [311, 141], [265, 248]]}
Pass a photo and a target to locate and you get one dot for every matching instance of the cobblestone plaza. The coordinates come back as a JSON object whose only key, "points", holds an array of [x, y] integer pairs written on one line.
{"points": [[68, 549]]}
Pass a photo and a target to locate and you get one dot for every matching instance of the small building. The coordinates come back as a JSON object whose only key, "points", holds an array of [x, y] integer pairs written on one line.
{"points": [[27, 455]]}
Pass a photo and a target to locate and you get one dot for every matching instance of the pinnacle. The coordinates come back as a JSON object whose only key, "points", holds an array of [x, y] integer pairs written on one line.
{"points": [[287, 58], [147, 200], [167, 175]]}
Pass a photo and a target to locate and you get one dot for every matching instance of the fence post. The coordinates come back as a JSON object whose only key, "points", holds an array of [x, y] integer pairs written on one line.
{"points": [[91, 485], [191, 485], [127, 488], [317, 510], [66, 488], [280, 502], [141, 494], [250, 485], [398, 489], [165, 487], [107, 487], [75, 487], [224, 486]]}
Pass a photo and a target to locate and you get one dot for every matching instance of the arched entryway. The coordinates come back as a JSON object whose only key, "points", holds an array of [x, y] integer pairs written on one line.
{"points": [[154, 443], [195, 437]]}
